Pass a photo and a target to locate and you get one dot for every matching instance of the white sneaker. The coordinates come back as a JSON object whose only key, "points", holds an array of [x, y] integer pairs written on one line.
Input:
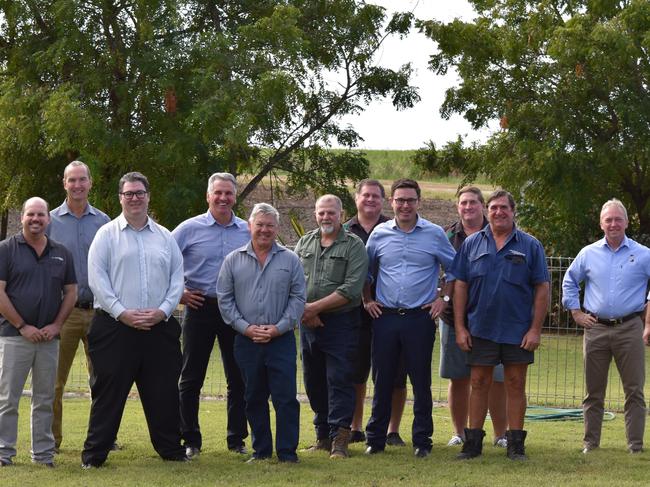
{"points": [[455, 440], [501, 442]]}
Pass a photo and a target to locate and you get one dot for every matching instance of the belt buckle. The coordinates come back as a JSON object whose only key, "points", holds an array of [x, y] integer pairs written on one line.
{"points": [[401, 311]]}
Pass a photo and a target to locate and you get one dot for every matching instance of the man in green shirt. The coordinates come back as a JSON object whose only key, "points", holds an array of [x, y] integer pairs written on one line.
{"points": [[335, 264]]}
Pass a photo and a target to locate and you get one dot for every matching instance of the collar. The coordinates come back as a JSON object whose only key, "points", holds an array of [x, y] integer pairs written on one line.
{"points": [[248, 248], [122, 223], [603, 243], [65, 209], [487, 232], [20, 238], [419, 223], [233, 220], [355, 220]]}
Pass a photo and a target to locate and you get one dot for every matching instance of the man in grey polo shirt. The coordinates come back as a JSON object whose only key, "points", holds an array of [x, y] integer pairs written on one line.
{"points": [[74, 224], [37, 292], [261, 292]]}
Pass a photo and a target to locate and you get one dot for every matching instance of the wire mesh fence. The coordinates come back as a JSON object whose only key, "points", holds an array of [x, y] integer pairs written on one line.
{"points": [[556, 378]]}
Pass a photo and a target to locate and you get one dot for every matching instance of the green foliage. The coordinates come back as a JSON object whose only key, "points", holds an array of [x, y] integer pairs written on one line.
{"points": [[179, 89], [568, 82]]}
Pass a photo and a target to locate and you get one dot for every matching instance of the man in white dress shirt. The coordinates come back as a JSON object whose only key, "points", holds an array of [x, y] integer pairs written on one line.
{"points": [[135, 271]]}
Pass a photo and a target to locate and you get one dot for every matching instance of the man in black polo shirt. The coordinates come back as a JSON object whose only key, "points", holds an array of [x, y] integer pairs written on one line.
{"points": [[38, 289], [369, 199]]}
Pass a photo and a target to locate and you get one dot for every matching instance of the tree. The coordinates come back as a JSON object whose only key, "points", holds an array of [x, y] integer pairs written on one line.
{"points": [[179, 89], [568, 82]]}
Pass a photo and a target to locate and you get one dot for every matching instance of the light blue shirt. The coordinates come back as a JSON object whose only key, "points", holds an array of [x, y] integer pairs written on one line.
{"points": [[204, 244], [615, 280], [135, 269], [76, 234], [272, 294], [407, 264]]}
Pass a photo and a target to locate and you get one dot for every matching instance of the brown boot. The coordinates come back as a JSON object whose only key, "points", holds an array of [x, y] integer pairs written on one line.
{"points": [[340, 444], [324, 444]]}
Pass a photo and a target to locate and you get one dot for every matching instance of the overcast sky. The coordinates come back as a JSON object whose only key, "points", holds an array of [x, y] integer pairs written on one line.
{"points": [[383, 127]]}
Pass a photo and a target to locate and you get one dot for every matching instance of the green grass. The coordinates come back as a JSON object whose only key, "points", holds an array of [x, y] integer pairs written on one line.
{"points": [[554, 450]]}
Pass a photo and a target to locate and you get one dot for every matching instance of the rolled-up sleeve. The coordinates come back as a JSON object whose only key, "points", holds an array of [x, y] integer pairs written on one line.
{"points": [[356, 271]]}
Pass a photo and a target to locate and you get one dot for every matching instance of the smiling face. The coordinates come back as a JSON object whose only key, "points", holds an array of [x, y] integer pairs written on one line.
{"points": [[34, 218], [134, 209], [264, 230], [501, 215], [328, 216], [470, 209], [77, 184], [405, 204], [613, 222], [221, 198], [369, 201]]}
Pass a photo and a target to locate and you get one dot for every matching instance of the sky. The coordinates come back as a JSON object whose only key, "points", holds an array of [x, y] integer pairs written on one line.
{"points": [[383, 127]]}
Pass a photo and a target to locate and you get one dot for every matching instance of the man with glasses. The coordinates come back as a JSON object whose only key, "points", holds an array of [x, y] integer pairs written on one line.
{"points": [[205, 240], [135, 271], [405, 255], [74, 224]]}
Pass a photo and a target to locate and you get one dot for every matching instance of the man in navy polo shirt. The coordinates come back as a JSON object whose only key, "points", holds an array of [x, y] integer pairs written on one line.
{"points": [[500, 301]]}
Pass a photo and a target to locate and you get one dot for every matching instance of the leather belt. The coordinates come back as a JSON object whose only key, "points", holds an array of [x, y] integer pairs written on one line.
{"points": [[86, 305], [615, 321], [401, 311]]}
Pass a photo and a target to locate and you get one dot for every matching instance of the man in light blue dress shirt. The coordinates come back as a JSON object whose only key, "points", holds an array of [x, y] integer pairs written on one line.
{"points": [[135, 271], [261, 291], [405, 254], [615, 272], [205, 240]]}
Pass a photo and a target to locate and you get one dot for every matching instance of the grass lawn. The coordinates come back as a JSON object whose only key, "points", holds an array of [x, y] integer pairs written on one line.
{"points": [[554, 450]]}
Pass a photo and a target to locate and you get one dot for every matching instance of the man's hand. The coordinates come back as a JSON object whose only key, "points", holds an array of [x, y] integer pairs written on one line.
{"points": [[373, 308], [31, 333], [436, 307], [141, 319], [192, 298], [262, 333], [583, 319], [50, 332], [463, 339], [646, 336], [531, 340], [310, 317]]}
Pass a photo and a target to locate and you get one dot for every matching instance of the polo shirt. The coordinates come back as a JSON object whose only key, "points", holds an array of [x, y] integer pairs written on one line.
{"points": [[501, 284], [339, 268], [355, 227], [34, 284]]}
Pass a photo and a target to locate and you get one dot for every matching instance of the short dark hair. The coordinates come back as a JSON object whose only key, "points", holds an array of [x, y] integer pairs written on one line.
{"points": [[473, 190], [405, 183], [134, 177], [370, 182], [501, 193]]}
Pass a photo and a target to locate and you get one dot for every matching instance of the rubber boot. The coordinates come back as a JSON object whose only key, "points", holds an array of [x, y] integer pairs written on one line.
{"points": [[516, 448], [473, 446]]}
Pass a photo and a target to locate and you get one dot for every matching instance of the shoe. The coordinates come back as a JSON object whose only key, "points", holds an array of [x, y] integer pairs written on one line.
{"points": [[179, 458], [116, 446], [501, 442], [634, 452], [289, 460], [45, 464], [322, 444], [455, 441], [357, 437], [516, 448], [255, 459], [373, 450], [6, 463], [473, 445], [88, 466], [340, 444], [394, 439], [241, 449], [421, 452], [192, 452]]}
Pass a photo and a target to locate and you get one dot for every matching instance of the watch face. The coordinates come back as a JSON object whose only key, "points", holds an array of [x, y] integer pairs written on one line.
{"points": [[445, 299]]}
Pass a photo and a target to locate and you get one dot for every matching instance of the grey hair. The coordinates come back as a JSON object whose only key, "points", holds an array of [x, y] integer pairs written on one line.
{"points": [[222, 176], [332, 197], [77, 164], [616, 204], [264, 209]]}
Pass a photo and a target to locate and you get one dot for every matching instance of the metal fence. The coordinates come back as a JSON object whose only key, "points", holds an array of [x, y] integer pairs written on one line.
{"points": [[556, 378]]}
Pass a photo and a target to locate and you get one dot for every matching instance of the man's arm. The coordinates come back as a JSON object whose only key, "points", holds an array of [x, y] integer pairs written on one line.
{"points": [[372, 306], [7, 309], [52, 330], [296, 302], [226, 298], [532, 338], [463, 338], [574, 275], [99, 279]]}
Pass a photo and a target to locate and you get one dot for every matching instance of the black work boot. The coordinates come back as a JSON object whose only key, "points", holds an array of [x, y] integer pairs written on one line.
{"points": [[473, 446], [516, 449]]}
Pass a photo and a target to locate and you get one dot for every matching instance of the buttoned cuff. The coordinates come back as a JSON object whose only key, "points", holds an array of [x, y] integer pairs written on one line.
{"points": [[284, 325], [116, 310], [240, 325]]}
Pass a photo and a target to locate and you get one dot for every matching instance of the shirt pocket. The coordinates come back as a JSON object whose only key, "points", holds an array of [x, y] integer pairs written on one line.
{"points": [[56, 269], [478, 266], [280, 280], [335, 269], [516, 270], [307, 261]]}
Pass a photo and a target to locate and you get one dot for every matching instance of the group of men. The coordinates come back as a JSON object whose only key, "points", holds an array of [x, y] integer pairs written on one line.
{"points": [[364, 293]]}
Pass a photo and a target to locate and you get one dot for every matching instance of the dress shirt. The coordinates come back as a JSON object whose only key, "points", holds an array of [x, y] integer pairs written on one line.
{"points": [[407, 264], [272, 294], [501, 283], [76, 234], [339, 268], [615, 280], [205, 243], [135, 269]]}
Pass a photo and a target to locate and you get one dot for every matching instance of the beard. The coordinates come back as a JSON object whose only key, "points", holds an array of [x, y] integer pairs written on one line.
{"points": [[327, 229]]}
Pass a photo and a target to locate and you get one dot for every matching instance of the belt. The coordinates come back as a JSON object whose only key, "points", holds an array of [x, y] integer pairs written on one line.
{"points": [[86, 305], [401, 311], [615, 321], [209, 300]]}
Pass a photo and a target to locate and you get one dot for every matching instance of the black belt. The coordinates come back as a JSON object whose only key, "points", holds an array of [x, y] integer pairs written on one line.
{"points": [[615, 321], [401, 311], [209, 300], [86, 305]]}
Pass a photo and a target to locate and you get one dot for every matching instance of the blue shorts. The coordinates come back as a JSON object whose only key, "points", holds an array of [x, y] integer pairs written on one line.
{"points": [[453, 361]]}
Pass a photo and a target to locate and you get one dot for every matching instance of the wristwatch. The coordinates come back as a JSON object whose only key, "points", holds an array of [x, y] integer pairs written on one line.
{"points": [[445, 298]]}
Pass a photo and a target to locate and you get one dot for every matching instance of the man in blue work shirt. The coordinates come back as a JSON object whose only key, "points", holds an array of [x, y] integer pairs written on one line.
{"points": [[500, 303], [405, 254], [261, 292], [205, 240], [615, 271]]}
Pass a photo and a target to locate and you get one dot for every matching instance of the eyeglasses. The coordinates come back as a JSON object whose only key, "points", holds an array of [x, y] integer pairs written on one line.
{"points": [[130, 194], [405, 201]]}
